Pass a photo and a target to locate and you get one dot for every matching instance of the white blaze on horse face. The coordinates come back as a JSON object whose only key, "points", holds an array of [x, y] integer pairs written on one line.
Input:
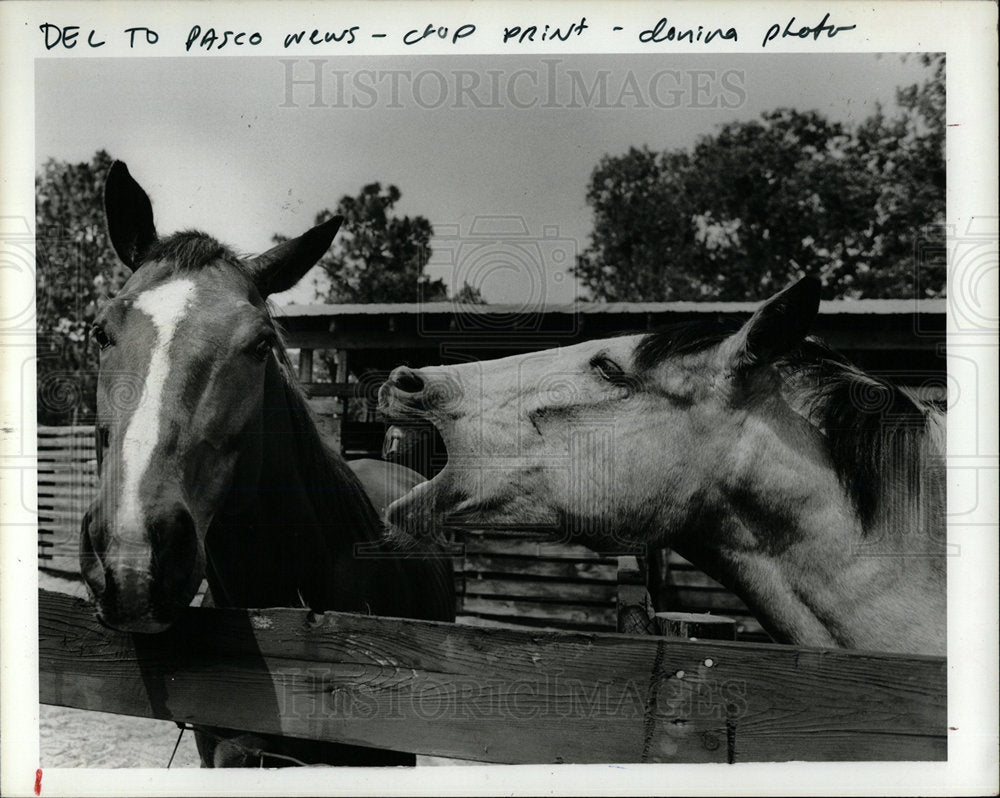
{"points": [[165, 305]]}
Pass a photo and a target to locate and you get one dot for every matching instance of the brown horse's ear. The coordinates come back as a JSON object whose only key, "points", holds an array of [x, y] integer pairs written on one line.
{"points": [[775, 328], [129, 214], [283, 266]]}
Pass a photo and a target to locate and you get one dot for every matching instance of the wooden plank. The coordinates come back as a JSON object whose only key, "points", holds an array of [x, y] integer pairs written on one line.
{"points": [[536, 624], [65, 503], [551, 611], [62, 563], [65, 537], [499, 695], [855, 335], [68, 443], [87, 467], [493, 623], [902, 309], [525, 588], [80, 430], [74, 478], [60, 518], [698, 600], [695, 625], [530, 566], [476, 544]]}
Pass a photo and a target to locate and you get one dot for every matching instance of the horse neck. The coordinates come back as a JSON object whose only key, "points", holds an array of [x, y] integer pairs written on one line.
{"points": [[783, 534], [288, 538]]}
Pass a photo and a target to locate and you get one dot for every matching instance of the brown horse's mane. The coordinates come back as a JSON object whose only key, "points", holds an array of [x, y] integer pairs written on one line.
{"points": [[385, 572], [191, 250], [883, 442]]}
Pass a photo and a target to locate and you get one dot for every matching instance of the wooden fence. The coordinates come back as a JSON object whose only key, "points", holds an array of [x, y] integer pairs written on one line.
{"points": [[495, 694], [67, 484]]}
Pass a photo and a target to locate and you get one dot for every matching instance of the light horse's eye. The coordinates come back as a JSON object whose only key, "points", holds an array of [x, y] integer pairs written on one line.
{"points": [[609, 371], [98, 333]]}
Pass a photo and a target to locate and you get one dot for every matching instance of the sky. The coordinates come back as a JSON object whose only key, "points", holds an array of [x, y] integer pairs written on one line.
{"points": [[496, 151]]}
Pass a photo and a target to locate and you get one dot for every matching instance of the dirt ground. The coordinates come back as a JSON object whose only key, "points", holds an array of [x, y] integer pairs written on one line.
{"points": [[75, 738]]}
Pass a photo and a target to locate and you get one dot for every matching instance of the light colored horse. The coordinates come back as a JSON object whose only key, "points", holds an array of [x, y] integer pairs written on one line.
{"points": [[811, 489]]}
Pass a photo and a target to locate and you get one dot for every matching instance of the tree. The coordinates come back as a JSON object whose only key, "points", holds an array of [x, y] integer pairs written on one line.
{"points": [[377, 257], [756, 204], [76, 272], [906, 157], [468, 295]]}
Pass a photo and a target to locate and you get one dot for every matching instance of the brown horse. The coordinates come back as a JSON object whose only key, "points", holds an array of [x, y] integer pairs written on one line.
{"points": [[811, 489], [211, 464]]}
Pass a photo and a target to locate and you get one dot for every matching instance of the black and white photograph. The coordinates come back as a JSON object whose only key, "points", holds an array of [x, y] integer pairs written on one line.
{"points": [[488, 398]]}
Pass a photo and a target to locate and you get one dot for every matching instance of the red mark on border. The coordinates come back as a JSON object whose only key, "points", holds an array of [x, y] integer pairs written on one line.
{"points": [[38, 781]]}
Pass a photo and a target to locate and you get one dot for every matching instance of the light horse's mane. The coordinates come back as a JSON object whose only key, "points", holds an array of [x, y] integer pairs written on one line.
{"points": [[886, 446]]}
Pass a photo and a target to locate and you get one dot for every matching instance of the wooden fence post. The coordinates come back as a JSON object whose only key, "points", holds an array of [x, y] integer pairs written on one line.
{"points": [[635, 610], [305, 366]]}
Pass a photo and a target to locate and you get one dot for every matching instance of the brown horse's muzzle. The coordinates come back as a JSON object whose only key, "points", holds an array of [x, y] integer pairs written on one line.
{"points": [[141, 580]]}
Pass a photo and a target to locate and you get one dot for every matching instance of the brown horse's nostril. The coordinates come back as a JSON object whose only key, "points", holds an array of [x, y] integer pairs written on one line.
{"points": [[406, 380], [175, 566]]}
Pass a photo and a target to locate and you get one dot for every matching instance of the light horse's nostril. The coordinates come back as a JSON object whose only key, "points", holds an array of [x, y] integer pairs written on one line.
{"points": [[406, 380]]}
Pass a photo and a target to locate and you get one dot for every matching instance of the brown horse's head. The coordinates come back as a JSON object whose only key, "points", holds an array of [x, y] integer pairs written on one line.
{"points": [[185, 346]]}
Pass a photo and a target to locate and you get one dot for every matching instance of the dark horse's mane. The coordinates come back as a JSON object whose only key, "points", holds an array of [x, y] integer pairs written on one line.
{"points": [[191, 250], [881, 440], [344, 514]]}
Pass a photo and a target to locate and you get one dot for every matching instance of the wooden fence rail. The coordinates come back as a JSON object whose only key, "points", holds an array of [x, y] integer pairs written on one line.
{"points": [[498, 695]]}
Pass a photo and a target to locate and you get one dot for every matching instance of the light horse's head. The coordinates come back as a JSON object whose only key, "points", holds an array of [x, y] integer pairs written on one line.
{"points": [[755, 451], [185, 346], [598, 435]]}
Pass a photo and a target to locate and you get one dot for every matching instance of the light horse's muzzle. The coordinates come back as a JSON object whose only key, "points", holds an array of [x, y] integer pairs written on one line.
{"points": [[432, 394]]}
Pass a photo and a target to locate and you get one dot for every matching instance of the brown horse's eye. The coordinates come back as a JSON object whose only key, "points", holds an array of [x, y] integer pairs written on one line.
{"points": [[98, 333]]}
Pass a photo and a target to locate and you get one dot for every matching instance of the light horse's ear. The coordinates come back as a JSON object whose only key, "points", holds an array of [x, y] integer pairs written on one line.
{"points": [[777, 327], [129, 214], [283, 266]]}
